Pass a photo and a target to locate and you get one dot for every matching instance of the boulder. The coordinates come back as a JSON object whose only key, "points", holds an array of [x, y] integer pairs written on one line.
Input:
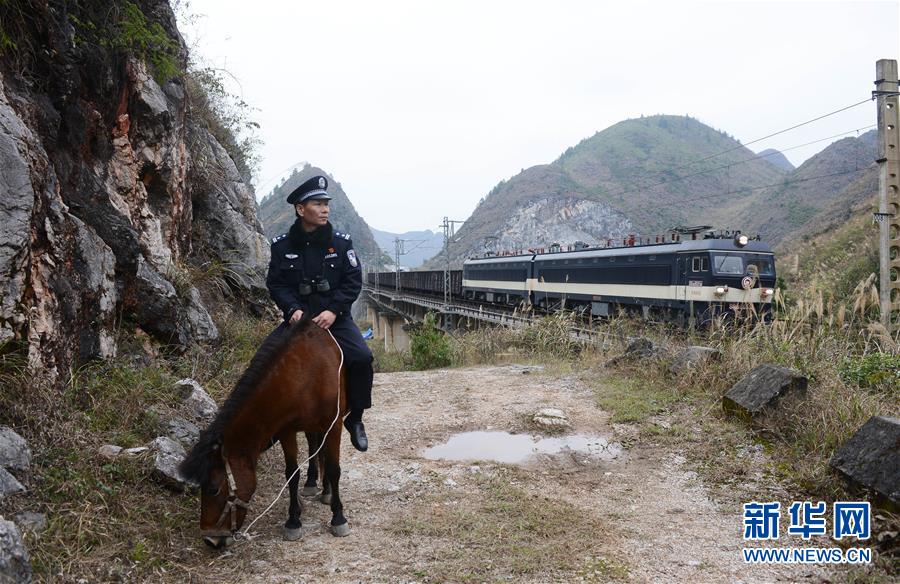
{"points": [[197, 403], [761, 389], [168, 455], [14, 451], [14, 563], [691, 356], [182, 431], [8, 484], [551, 418], [637, 348], [870, 459], [640, 348]]}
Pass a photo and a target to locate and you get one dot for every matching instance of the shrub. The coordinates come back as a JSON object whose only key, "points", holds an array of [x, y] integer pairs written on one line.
{"points": [[874, 370], [430, 347]]}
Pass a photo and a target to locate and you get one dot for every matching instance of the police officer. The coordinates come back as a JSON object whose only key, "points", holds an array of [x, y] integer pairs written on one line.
{"points": [[314, 271]]}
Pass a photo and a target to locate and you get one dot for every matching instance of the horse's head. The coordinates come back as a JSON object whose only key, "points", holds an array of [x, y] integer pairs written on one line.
{"points": [[227, 483]]}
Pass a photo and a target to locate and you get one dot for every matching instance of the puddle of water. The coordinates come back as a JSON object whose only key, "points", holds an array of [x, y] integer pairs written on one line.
{"points": [[512, 448]]}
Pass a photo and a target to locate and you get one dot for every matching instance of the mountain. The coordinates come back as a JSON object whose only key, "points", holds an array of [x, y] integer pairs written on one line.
{"points": [[277, 216], [638, 176], [419, 245], [838, 247], [777, 158]]}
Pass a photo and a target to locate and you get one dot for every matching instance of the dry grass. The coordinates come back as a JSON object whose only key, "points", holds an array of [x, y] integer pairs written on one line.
{"points": [[109, 520], [502, 530]]}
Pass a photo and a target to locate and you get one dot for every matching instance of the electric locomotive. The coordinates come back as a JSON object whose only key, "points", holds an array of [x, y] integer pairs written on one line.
{"points": [[720, 273]]}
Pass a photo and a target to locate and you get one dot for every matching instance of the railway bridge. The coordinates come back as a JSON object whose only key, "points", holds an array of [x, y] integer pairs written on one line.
{"points": [[391, 312]]}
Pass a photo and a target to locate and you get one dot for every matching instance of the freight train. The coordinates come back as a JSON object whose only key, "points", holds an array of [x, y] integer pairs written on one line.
{"points": [[671, 277]]}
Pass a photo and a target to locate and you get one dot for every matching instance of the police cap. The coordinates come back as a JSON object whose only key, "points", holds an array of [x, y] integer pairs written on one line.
{"points": [[313, 188]]}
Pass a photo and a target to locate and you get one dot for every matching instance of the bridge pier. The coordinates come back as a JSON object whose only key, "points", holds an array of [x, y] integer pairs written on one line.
{"points": [[372, 317], [399, 334]]}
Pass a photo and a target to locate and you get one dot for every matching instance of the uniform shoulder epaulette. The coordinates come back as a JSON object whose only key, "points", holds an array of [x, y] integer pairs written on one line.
{"points": [[279, 237], [342, 235]]}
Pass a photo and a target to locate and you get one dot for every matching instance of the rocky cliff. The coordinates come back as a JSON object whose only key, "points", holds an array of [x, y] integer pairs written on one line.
{"points": [[114, 197], [277, 216]]}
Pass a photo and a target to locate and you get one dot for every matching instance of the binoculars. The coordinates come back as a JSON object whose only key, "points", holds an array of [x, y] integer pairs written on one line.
{"points": [[306, 287]]}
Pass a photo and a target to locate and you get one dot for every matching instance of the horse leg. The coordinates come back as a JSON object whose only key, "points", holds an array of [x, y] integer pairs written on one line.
{"points": [[339, 526], [325, 498], [313, 440], [289, 445]]}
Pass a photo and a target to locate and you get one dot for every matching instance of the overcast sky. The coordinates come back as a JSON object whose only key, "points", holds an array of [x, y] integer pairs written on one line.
{"points": [[420, 108]]}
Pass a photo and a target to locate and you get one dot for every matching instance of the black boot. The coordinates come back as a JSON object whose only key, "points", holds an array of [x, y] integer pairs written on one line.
{"points": [[357, 431]]}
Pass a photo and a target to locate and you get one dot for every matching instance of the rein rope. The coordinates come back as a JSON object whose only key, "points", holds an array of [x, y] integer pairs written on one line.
{"points": [[245, 534]]}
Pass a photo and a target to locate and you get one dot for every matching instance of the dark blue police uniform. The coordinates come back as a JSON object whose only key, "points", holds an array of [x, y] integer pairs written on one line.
{"points": [[317, 271]]}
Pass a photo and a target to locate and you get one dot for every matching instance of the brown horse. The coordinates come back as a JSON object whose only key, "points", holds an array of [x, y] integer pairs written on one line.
{"points": [[292, 384]]}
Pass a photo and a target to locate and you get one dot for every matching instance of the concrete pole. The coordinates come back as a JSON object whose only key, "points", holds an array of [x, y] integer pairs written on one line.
{"points": [[889, 191]]}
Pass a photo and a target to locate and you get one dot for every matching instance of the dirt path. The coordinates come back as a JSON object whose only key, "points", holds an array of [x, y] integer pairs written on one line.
{"points": [[640, 517]]}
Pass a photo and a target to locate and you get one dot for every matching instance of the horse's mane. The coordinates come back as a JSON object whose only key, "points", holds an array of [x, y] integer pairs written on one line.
{"points": [[197, 464]]}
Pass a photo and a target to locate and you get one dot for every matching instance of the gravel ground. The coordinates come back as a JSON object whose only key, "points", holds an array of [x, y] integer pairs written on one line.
{"points": [[638, 515]]}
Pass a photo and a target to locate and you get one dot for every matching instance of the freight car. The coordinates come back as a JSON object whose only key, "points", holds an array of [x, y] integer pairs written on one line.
{"points": [[422, 281]]}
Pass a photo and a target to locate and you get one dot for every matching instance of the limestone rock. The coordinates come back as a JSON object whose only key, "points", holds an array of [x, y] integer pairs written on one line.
{"points": [[563, 219], [761, 389], [551, 418], [31, 521], [168, 455], [691, 356], [182, 431], [196, 402], [8, 484], [871, 458], [171, 317], [109, 451], [638, 348], [225, 215], [14, 563], [14, 451]]}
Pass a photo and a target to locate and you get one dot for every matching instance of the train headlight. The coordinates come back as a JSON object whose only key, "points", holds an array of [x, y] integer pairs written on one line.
{"points": [[768, 292], [721, 290], [741, 240]]}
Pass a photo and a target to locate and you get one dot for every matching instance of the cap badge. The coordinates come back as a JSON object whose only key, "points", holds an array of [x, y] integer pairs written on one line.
{"points": [[321, 182]]}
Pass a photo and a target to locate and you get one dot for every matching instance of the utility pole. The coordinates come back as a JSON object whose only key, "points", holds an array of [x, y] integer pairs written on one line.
{"points": [[398, 251], [888, 216], [449, 227]]}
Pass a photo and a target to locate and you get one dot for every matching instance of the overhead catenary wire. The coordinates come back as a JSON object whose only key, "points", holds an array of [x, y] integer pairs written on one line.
{"points": [[739, 162], [778, 184], [635, 188], [779, 132]]}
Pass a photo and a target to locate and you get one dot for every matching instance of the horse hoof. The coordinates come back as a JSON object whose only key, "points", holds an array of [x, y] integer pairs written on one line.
{"points": [[342, 530], [309, 491], [325, 498], [292, 534]]}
